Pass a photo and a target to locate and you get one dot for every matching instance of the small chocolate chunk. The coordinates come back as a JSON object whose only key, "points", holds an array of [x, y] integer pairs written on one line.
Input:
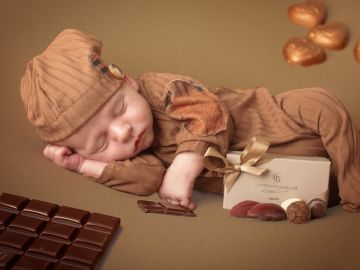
{"points": [[164, 208], [151, 207], [177, 210], [298, 212]]}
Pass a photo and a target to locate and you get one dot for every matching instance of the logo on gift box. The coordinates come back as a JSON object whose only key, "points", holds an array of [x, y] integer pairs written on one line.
{"points": [[276, 177]]}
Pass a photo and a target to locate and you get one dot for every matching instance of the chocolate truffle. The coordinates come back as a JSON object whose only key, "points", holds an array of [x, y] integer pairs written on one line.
{"points": [[298, 212], [317, 207], [332, 36], [357, 51], [302, 52], [308, 14]]}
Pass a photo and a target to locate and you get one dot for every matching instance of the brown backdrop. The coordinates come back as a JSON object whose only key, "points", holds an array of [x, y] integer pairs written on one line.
{"points": [[230, 43]]}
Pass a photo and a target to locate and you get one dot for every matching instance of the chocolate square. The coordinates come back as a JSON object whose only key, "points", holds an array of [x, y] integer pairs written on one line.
{"points": [[15, 242], [31, 263], [7, 259], [26, 225], [12, 203], [5, 218], [80, 256], [91, 239], [71, 216], [47, 249], [40, 209], [102, 223], [59, 232]]}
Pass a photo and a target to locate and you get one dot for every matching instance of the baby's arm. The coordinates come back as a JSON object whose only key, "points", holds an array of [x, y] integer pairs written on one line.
{"points": [[178, 181], [65, 158]]}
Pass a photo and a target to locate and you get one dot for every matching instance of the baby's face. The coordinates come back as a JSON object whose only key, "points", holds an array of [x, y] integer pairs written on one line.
{"points": [[121, 129]]}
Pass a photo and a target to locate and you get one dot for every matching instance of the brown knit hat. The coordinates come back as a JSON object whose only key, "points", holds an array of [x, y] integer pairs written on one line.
{"points": [[66, 84]]}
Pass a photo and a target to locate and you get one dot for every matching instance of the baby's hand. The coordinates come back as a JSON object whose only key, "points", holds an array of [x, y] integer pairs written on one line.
{"points": [[178, 181], [63, 157], [176, 189]]}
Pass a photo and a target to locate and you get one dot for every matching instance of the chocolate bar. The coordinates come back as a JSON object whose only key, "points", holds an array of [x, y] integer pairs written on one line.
{"points": [[166, 209], [44, 236]]}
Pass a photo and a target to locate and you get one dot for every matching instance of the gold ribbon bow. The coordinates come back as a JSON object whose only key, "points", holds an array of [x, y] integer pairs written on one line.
{"points": [[252, 154]]}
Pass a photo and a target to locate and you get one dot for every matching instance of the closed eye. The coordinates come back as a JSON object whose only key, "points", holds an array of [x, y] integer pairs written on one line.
{"points": [[103, 145], [121, 110]]}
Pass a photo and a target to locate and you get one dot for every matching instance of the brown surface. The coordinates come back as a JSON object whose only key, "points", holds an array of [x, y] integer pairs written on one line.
{"points": [[229, 43]]}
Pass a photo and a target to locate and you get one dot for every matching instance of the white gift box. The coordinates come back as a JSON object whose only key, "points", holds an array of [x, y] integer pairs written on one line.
{"points": [[287, 177]]}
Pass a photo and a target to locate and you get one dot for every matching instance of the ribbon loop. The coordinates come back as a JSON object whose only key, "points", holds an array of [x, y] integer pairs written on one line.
{"points": [[252, 154]]}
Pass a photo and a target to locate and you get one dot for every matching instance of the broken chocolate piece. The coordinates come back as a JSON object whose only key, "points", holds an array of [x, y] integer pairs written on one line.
{"points": [[164, 208]]}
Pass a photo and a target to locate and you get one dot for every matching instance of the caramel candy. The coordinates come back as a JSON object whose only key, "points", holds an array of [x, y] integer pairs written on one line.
{"points": [[302, 52], [332, 36], [308, 14], [357, 51]]}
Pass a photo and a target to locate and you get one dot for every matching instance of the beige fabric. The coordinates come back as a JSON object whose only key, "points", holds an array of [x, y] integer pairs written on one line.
{"points": [[307, 122], [62, 87]]}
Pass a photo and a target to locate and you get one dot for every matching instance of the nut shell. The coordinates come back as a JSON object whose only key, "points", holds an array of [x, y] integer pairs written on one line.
{"points": [[308, 14], [302, 52], [332, 36]]}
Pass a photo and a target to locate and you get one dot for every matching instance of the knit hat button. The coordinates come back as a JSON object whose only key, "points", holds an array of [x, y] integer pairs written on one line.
{"points": [[116, 72]]}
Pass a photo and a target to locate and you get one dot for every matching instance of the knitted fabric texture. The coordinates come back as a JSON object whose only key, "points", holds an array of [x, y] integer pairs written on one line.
{"points": [[65, 85]]}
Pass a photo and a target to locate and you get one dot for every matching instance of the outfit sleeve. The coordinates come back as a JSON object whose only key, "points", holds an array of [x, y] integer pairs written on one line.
{"points": [[141, 175], [200, 115]]}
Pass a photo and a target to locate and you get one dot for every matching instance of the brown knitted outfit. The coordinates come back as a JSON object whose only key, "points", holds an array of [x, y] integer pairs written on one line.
{"points": [[190, 117], [307, 122]]}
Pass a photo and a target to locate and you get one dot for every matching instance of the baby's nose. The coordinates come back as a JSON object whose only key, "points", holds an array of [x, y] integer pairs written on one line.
{"points": [[120, 131]]}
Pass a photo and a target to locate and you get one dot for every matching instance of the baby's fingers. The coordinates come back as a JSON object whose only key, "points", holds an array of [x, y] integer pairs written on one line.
{"points": [[188, 203]]}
